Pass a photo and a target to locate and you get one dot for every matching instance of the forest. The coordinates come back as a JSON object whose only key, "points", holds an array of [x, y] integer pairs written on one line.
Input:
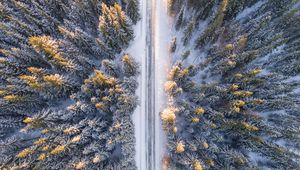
{"points": [[67, 89], [80, 81], [234, 85]]}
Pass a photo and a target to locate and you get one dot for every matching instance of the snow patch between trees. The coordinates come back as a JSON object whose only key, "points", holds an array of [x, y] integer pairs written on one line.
{"points": [[249, 10]]}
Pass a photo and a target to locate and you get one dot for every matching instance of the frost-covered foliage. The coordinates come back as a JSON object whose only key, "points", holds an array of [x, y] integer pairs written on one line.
{"points": [[66, 92], [234, 85]]}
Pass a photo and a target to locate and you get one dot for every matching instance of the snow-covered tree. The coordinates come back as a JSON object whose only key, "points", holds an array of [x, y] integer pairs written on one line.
{"points": [[132, 8], [66, 96], [115, 27], [238, 104]]}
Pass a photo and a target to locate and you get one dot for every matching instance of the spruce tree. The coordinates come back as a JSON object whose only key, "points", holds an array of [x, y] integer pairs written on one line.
{"points": [[132, 7], [115, 27], [179, 19]]}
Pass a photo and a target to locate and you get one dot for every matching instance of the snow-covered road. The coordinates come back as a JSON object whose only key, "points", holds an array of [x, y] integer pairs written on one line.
{"points": [[150, 48]]}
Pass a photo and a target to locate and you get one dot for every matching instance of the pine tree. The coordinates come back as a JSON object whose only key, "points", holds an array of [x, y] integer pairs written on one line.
{"points": [[173, 45], [188, 32], [130, 66], [132, 7], [171, 4], [115, 27], [179, 20]]}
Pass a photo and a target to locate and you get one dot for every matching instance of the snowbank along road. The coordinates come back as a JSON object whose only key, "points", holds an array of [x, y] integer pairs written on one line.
{"points": [[138, 49]]}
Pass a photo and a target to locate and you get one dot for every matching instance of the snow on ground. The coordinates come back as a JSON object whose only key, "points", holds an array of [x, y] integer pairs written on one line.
{"points": [[255, 157], [297, 91], [297, 6], [260, 62], [162, 38], [265, 72], [293, 79], [275, 51], [138, 51], [266, 115], [249, 10]]}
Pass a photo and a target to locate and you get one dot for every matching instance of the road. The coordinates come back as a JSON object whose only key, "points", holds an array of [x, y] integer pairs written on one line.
{"points": [[150, 92], [150, 48], [159, 61]]}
